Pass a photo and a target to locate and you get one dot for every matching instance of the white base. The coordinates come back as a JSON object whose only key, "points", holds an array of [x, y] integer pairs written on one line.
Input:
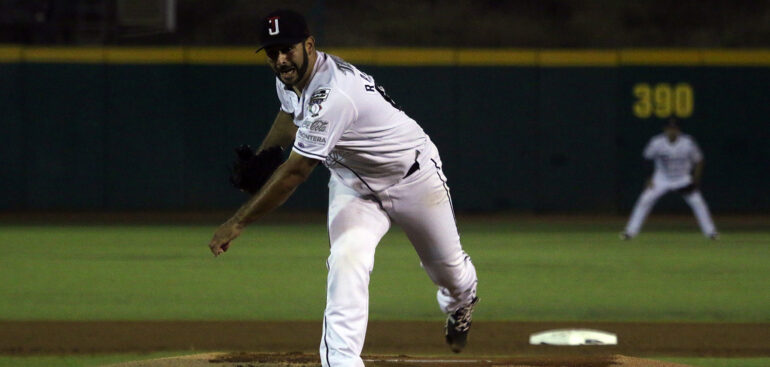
{"points": [[573, 337]]}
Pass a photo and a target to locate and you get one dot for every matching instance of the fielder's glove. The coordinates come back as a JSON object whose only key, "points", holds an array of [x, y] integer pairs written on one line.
{"points": [[250, 171]]}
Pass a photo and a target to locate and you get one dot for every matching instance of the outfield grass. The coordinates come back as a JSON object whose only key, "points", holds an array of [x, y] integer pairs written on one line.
{"points": [[81, 360], [530, 271]]}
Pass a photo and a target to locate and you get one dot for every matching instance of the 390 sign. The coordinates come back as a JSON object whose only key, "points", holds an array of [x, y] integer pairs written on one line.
{"points": [[663, 100]]}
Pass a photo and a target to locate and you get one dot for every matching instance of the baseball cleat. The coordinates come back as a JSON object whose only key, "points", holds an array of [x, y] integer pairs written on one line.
{"points": [[457, 326], [625, 236], [714, 236]]}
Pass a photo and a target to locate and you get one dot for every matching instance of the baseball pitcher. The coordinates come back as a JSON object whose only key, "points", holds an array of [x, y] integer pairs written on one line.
{"points": [[678, 167], [384, 169]]}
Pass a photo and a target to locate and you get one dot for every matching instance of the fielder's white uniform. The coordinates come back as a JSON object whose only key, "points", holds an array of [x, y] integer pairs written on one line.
{"points": [[674, 162], [372, 150]]}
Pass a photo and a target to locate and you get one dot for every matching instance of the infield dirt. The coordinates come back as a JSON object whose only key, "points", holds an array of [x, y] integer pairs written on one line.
{"points": [[501, 343], [308, 360]]}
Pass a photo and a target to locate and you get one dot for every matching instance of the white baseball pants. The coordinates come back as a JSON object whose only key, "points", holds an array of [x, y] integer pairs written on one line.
{"points": [[650, 196], [421, 205]]}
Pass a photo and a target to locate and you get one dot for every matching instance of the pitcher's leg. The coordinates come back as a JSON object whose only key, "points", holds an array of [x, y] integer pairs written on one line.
{"points": [[642, 208], [356, 225], [701, 210], [423, 208]]}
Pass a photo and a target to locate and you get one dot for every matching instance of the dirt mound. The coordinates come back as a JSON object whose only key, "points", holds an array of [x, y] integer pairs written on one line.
{"points": [[245, 359], [383, 338]]}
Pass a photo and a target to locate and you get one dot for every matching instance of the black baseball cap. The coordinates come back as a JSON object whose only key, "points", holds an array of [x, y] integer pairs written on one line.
{"points": [[282, 27]]}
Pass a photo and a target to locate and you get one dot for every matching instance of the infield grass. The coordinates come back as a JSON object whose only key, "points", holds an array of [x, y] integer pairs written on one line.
{"points": [[527, 271]]}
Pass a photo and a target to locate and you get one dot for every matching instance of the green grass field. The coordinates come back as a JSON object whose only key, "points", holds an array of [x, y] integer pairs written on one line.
{"points": [[79, 360], [528, 270], [278, 272]]}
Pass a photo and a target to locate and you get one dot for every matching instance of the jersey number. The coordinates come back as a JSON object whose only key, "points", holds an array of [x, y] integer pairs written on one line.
{"points": [[379, 89], [384, 95]]}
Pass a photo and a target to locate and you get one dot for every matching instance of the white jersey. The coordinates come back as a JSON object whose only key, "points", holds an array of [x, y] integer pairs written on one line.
{"points": [[345, 120], [673, 161]]}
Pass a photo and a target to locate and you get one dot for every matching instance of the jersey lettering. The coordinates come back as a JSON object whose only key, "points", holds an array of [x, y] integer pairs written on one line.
{"points": [[366, 77], [342, 64]]}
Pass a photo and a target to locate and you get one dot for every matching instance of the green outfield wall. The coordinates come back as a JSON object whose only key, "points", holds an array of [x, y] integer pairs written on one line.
{"points": [[526, 130]]}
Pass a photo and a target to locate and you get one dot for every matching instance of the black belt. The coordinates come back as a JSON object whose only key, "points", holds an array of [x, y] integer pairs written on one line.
{"points": [[413, 169]]}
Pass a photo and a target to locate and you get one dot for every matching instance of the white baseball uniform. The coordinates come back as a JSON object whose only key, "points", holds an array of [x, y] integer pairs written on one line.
{"points": [[674, 162], [383, 168]]}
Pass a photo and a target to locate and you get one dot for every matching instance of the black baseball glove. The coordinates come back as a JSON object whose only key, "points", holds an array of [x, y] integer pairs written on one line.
{"points": [[250, 170]]}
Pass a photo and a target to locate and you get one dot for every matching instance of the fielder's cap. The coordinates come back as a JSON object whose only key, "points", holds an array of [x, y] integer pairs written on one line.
{"points": [[282, 27]]}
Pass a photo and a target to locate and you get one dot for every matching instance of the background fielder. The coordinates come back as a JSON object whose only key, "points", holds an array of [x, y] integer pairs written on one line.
{"points": [[678, 167], [384, 169]]}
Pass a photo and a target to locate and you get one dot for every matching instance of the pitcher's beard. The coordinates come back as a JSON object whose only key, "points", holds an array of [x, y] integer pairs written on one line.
{"points": [[300, 72]]}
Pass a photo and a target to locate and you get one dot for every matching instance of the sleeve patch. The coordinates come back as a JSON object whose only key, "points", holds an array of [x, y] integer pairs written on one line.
{"points": [[305, 139], [319, 95], [316, 99], [317, 126]]}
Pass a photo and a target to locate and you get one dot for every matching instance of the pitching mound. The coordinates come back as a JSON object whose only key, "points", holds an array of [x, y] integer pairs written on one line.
{"points": [[308, 360]]}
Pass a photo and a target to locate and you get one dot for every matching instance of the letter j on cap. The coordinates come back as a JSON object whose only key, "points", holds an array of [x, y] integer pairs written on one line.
{"points": [[274, 28]]}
